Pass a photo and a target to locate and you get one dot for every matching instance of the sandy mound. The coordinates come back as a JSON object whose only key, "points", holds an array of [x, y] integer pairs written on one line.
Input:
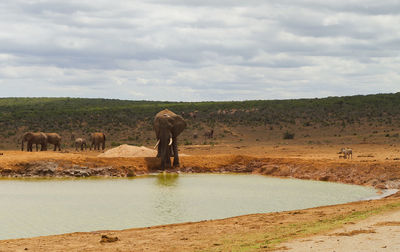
{"points": [[129, 151]]}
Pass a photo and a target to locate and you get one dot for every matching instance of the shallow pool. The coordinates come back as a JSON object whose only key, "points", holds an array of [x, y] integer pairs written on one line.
{"points": [[32, 207]]}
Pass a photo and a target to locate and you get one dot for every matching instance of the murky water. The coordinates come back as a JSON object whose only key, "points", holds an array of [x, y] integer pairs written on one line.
{"points": [[52, 206]]}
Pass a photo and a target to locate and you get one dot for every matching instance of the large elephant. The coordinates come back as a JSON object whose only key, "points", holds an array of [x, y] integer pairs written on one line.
{"points": [[79, 143], [55, 139], [96, 139], [34, 138], [168, 126]]}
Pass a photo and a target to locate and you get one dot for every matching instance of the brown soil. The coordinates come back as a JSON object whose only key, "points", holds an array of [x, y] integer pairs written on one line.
{"points": [[388, 223], [374, 165], [355, 232]]}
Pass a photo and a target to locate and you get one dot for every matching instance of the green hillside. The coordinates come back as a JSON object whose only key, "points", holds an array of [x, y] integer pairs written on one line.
{"points": [[131, 121]]}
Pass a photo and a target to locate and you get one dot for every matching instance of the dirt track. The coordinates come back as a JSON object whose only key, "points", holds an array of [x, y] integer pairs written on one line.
{"points": [[372, 165]]}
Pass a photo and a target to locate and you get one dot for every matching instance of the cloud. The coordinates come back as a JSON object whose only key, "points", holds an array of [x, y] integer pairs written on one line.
{"points": [[193, 51]]}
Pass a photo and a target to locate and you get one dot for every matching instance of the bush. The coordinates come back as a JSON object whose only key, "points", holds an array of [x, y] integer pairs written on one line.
{"points": [[288, 135], [115, 144]]}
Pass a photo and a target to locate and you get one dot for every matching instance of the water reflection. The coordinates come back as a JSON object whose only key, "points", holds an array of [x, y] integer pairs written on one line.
{"points": [[167, 179], [168, 199]]}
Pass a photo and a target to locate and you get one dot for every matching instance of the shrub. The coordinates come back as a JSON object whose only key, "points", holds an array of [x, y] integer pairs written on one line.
{"points": [[288, 135], [115, 144]]}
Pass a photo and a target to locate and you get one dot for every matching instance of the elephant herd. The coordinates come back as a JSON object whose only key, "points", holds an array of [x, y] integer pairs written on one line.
{"points": [[43, 139], [167, 126]]}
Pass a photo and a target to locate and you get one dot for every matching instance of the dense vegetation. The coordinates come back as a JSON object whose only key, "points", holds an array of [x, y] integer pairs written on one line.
{"points": [[88, 115]]}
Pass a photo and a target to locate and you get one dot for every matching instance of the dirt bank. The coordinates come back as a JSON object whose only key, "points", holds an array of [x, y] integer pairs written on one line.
{"points": [[380, 174]]}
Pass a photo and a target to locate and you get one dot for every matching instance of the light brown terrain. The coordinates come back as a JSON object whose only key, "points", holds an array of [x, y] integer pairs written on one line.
{"points": [[372, 165]]}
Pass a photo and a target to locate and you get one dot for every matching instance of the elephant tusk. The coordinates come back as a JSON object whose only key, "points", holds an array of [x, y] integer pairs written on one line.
{"points": [[158, 142], [170, 141]]}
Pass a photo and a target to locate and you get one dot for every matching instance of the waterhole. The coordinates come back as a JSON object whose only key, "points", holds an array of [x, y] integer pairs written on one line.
{"points": [[35, 207]]}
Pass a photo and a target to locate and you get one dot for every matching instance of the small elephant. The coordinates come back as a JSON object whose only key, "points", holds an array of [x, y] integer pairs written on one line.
{"points": [[55, 139], [79, 143], [34, 138], [96, 139]]}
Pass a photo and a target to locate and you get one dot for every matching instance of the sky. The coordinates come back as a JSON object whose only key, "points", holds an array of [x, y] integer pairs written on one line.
{"points": [[185, 50]]}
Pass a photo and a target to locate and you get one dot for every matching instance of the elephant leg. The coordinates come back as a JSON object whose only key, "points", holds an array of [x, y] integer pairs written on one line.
{"points": [[163, 164], [175, 148], [158, 151], [37, 149], [168, 162]]}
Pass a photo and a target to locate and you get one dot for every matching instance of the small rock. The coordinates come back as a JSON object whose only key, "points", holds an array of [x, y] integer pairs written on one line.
{"points": [[381, 186], [106, 238], [130, 174], [324, 178]]}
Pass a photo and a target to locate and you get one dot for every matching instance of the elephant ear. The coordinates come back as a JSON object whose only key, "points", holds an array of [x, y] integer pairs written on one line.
{"points": [[179, 125]]}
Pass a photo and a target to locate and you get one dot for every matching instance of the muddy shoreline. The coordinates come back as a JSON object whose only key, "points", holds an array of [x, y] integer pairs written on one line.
{"points": [[381, 175]]}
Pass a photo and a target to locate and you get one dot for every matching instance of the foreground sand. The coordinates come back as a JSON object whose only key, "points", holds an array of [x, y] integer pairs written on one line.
{"points": [[377, 233], [374, 165]]}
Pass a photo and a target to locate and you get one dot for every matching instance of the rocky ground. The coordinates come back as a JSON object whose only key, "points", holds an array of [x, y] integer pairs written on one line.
{"points": [[372, 165]]}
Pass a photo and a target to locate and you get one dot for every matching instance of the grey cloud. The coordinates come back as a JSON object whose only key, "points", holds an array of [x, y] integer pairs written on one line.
{"points": [[207, 50]]}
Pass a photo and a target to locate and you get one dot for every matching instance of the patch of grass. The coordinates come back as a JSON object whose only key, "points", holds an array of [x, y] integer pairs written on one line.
{"points": [[115, 144]]}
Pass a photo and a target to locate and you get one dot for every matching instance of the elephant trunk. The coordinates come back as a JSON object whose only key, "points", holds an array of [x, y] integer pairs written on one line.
{"points": [[22, 148]]}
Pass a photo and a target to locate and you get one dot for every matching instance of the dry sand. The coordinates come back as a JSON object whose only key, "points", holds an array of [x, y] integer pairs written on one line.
{"points": [[129, 151]]}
